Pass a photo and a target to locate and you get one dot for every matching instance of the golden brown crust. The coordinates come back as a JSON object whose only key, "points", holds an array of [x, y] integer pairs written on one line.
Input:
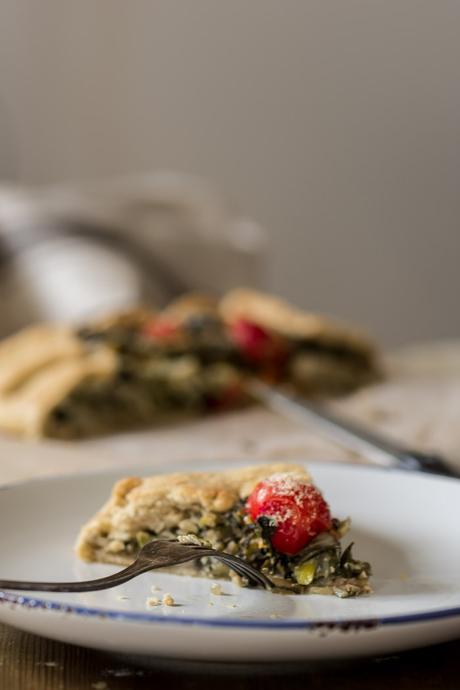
{"points": [[291, 322], [33, 348], [26, 409], [190, 304], [160, 502]]}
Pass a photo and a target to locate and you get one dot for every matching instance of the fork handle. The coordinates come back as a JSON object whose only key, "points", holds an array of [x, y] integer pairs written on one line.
{"points": [[142, 564], [119, 578]]}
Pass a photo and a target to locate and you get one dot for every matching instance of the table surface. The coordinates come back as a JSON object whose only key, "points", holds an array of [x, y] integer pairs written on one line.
{"points": [[28, 662], [418, 405]]}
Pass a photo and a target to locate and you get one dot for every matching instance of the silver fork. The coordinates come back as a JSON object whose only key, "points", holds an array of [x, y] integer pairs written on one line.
{"points": [[156, 554]]}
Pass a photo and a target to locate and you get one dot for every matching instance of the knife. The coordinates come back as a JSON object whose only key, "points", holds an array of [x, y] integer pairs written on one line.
{"points": [[348, 433]]}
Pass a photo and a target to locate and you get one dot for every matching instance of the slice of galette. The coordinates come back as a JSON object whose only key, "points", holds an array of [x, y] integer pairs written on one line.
{"points": [[313, 352], [271, 515]]}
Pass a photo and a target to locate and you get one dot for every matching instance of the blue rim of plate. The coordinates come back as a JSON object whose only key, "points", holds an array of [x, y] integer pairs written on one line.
{"points": [[34, 603]]}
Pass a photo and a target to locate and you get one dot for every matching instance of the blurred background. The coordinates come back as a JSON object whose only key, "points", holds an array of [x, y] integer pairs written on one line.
{"points": [[327, 133]]}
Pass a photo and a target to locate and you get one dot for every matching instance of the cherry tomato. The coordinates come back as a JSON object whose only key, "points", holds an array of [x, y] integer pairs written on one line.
{"points": [[297, 509]]}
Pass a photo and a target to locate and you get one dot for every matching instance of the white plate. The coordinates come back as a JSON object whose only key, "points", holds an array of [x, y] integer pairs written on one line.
{"points": [[408, 526]]}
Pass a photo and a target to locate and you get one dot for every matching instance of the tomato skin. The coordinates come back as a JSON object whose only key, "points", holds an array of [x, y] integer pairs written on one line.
{"points": [[299, 514], [253, 340], [263, 349], [160, 329]]}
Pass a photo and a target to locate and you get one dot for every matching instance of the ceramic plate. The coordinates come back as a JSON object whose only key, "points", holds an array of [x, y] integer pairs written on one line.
{"points": [[407, 526]]}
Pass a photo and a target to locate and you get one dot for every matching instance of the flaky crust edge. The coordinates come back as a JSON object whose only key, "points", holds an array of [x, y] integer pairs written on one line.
{"points": [[281, 317]]}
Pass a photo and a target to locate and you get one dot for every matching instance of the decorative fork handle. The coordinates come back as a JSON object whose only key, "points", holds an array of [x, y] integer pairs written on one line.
{"points": [[156, 554], [348, 433]]}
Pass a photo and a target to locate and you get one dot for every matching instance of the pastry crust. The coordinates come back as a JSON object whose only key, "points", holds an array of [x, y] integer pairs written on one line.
{"points": [[189, 305], [161, 502], [291, 322], [39, 369], [33, 348]]}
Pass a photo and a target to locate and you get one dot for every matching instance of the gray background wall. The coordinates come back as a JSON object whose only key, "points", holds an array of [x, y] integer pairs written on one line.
{"points": [[336, 123]]}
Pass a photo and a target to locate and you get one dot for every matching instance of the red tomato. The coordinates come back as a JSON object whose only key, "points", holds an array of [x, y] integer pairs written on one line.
{"points": [[261, 347], [298, 510], [253, 340]]}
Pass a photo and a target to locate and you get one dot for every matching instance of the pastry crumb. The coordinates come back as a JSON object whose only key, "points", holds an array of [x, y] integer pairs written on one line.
{"points": [[122, 598], [275, 615], [168, 600], [152, 601], [210, 603], [115, 546], [155, 588], [236, 579], [231, 606], [216, 589]]}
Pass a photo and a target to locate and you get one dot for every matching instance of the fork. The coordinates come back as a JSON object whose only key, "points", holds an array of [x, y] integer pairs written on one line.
{"points": [[156, 554]]}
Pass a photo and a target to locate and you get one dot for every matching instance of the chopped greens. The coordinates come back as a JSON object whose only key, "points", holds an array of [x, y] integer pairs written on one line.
{"points": [[320, 568]]}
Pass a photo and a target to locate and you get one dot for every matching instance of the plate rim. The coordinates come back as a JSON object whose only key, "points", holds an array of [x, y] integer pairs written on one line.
{"points": [[32, 603]]}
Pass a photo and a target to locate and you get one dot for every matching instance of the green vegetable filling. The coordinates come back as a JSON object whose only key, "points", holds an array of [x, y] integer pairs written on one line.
{"points": [[321, 567]]}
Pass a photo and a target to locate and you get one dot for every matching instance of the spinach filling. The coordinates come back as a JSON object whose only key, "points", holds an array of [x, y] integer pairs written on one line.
{"points": [[339, 352], [202, 336], [309, 363], [321, 567], [199, 371], [139, 392]]}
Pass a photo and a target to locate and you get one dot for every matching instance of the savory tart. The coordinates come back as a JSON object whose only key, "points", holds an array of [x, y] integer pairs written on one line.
{"points": [[123, 371], [315, 353], [271, 515], [139, 367]]}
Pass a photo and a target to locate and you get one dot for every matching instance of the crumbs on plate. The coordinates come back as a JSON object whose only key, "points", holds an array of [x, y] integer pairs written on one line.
{"points": [[152, 601], [167, 600]]}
